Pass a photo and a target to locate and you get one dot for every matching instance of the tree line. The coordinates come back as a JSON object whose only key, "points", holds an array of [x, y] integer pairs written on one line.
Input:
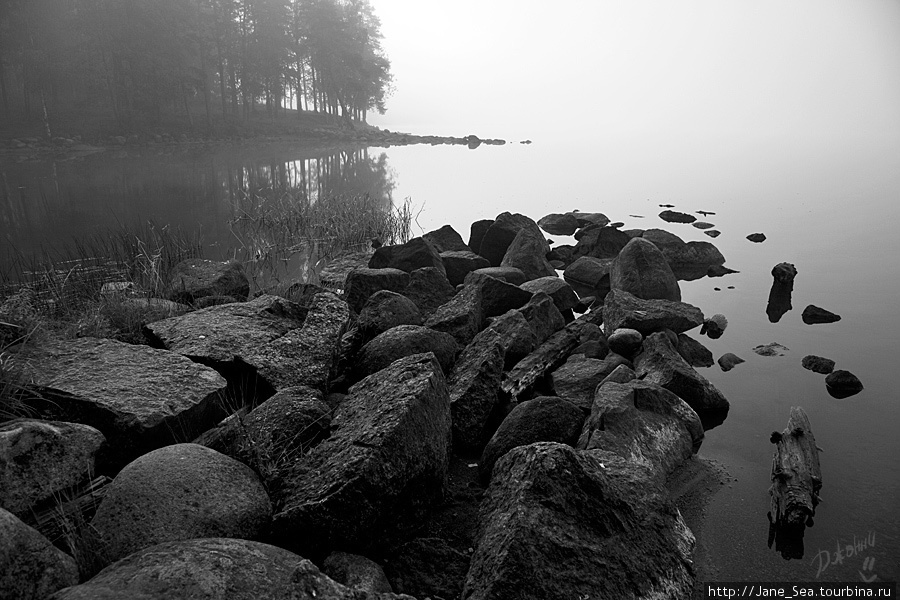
{"points": [[204, 59]]}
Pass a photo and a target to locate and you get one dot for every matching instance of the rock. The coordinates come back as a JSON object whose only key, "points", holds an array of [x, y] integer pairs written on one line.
{"points": [[625, 342], [356, 571], [771, 349], [784, 272], [714, 326], [600, 242], [621, 374], [585, 219], [460, 263], [728, 361], [564, 297], [277, 431], [688, 260], [385, 461], [527, 252], [843, 384], [145, 398], [414, 254], [578, 377], [477, 232], [814, 315], [497, 296], [661, 364], [558, 224], [625, 310], [462, 316], [517, 338], [428, 289], [501, 234], [702, 225], [693, 352], [428, 568], [179, 492], [642, 423], [542, 419], [405, 340], [543, 317], [673, 216], [474, 385], [384, 310], [31, 568], [363, 282], [818, 364], [757, 237], [510, 275], [589, 275], [195, 278], [713, 233], [40, 459], [214, 569], [600, 525], [446, 239], [642, 270]]}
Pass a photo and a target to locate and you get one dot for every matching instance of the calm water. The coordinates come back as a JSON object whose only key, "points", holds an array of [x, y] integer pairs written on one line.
{"points": [[827, 206]]}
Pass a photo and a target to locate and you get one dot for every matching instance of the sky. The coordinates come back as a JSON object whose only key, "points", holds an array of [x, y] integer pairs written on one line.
{"points": [[753, 68]]}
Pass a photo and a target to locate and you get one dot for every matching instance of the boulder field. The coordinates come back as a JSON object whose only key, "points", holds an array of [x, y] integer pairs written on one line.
{"points": [[438, 423]]}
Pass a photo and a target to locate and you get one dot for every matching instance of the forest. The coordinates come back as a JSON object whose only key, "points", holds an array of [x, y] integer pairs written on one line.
{"points": [[137, 61]]}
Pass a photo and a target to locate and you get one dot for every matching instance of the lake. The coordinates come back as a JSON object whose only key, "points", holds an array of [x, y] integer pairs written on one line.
{"points": [[828, 205]]}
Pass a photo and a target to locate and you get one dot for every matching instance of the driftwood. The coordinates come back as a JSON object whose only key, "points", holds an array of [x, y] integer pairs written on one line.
{"points": [[796, 481], [547, 356]]}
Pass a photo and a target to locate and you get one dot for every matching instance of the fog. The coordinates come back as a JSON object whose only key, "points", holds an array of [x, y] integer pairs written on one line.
{"points": [[815, 70]]}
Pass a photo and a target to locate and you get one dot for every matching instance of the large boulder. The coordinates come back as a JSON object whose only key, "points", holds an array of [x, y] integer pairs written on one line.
{"points": [[564, 297], [812, 315], [516, 337], [445, 239], [622, 309], [287, 344], [660, 364], [497, 296], [693, 352], [579, 376], [39, 459], [589, 276], [428, 289], [215, 569], [385, 461], [274, 433], [462, 316], [474, 391], [146, 398], [459, 263], [688, 260], [600, 527], [196, 278], [600, 242], [543, 316], [363, 282], [180, 492], [384, 310], [643, 423], [405, 340], [541, 419], [414, 254], [559, 224], [501, 234], [528, 252], [477, 231], [642, 270], [31, 568]]}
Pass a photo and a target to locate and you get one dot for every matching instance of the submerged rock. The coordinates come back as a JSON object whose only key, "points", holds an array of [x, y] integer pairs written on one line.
{"points": [[714, 326], [771, 349], [673, 216], [757, 237], [843, 384], [813, 315], [713, 233], [728, 361], [818, 364]]}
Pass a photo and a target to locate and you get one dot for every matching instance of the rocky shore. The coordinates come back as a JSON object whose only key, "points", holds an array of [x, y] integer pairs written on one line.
{"points": [[443, 419]]}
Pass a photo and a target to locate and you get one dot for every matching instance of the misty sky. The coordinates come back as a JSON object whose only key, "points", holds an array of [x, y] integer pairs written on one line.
{"points": [[750, 68]]}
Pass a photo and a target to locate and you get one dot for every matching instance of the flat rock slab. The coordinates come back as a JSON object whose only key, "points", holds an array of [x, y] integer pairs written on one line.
{"points": [[140, 398], [215, 569], [180, 492], [559, 523], [386, 459], [41, 458], [624, 310], [288, 344]]}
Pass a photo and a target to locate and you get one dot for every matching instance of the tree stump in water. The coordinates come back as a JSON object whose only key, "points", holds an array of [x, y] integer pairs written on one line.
{"points": [[796, 480]]}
